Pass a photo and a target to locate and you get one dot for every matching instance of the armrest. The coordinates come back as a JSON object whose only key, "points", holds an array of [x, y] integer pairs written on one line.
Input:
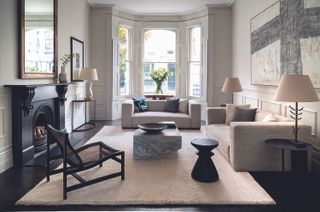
{"points": [[248, 150], [127, 110], [216, 115], [195, 113]]}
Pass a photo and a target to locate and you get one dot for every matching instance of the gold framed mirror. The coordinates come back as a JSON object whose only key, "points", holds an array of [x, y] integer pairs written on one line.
{"points": [[38, 44]]}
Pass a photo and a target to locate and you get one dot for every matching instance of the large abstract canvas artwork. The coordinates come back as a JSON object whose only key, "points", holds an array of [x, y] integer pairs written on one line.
{"points": [[285, 39]]}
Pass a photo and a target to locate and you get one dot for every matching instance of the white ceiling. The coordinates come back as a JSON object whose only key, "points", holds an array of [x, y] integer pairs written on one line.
{"points": [[159, 6]]}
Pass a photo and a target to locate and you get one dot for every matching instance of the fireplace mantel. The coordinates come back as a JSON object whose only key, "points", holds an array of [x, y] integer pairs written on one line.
{"points": [[27, 100]]}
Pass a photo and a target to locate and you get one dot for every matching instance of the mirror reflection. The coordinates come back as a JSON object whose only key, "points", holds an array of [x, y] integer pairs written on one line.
{"points": [[39, 36]]}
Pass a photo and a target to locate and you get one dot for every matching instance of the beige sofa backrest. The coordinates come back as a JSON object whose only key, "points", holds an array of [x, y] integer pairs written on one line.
{"points": [[156, 105], [261, 114]]}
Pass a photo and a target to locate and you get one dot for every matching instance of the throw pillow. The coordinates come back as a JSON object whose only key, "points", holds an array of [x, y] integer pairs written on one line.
{"points": [[270, 118], [172, 105], [183, 106], [244, 114], [140, 105], [231, 109]]}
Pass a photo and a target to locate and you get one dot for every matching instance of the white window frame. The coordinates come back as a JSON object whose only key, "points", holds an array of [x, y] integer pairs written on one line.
{"points": [[189, 28], [176, 57], [129, 60]]}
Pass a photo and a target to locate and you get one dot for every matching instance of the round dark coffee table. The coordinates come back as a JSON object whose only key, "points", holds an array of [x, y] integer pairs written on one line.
{"points": [[204, 170]]}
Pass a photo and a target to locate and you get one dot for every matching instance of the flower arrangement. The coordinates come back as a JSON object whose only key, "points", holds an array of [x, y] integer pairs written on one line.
{"points": [[66, 59], [160, 75]]}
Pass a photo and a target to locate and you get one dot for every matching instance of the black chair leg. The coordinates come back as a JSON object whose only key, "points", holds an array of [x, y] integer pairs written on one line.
{"points": [[64, 185], [122, 166], [101, 164]]}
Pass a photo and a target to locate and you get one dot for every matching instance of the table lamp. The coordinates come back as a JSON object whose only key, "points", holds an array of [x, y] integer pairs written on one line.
{"points": [[231, 85], [296, 88], [90, 75]]}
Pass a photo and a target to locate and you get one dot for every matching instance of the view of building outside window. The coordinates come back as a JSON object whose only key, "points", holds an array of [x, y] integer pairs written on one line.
{"points": [[124, 66], [39, 51], [194, 62], [159, 52]]}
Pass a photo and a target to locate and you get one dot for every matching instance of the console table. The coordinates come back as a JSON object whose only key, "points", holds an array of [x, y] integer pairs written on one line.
{"points": [[91, 124]]}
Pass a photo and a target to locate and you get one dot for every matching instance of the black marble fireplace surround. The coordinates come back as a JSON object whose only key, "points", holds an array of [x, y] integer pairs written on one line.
{"points": [[33, 105]]}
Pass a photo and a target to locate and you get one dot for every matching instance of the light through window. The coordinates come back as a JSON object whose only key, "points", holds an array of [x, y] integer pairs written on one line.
{"points": [[159, 52], [124, 63], [39, 50], [194, 62]]}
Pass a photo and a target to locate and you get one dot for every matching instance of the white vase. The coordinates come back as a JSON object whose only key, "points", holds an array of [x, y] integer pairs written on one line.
{"points": [[63, 75]]}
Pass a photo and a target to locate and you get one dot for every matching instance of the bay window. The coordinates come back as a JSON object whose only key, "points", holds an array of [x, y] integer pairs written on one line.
{"points": [[124, 60], [194, 62], [159, 52]]}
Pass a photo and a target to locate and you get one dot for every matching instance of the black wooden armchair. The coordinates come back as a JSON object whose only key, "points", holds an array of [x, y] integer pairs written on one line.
{"points": [[83, 158]]}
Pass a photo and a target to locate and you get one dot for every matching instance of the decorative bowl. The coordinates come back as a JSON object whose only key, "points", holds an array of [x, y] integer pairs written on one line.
{"points": [[152, 127]]}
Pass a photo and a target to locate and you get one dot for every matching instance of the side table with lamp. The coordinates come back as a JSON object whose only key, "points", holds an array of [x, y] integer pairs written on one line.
{"points": [[294, 88], [89, 75]]}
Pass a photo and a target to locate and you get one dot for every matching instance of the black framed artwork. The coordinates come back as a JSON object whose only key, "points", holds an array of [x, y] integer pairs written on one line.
{"points": [[77, 62]]}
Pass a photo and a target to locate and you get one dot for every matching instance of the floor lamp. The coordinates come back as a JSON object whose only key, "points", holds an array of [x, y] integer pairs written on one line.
{"points": [[296, 88], [231, 85]]}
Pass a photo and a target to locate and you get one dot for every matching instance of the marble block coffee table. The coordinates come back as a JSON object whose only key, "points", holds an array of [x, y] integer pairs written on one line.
{"points": [[149, 146]]}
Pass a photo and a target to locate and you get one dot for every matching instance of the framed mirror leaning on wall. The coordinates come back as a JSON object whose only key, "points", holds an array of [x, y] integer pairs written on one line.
{"points": [[38, 38]]}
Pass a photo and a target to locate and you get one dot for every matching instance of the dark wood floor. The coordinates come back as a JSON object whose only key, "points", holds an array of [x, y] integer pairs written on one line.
{"points": [[291, 192]]}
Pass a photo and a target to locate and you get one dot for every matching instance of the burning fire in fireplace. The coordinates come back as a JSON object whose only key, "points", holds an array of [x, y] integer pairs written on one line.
{"points": [[40, 139]]}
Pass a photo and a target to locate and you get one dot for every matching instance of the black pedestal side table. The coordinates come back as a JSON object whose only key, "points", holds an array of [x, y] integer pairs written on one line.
{"points": [[204, 169], [299, 155]]}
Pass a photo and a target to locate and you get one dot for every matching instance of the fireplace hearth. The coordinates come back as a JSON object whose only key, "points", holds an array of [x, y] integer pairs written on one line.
{"points": [[33, 107]]}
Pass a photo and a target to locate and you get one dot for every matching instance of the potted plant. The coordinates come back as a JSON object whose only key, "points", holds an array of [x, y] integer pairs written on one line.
{"points": [[160, 75], [65, 60]]}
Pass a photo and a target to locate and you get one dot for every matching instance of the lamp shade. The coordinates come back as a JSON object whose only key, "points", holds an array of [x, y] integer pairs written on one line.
{"points": [[88, 74], [231, 84], [296, 88]]}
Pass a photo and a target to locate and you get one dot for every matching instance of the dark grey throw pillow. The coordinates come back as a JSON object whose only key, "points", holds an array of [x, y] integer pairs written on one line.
{"points": [[172, 105], [244, 114]]}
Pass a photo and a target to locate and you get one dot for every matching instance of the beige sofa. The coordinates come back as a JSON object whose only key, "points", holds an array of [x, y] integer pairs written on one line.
{"points": [[242, 143], [156, 113]]}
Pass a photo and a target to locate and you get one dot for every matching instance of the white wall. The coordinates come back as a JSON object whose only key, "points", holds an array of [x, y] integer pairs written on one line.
{"points": [[73, 20], [102, 59], [260, 96], [219, 53]]}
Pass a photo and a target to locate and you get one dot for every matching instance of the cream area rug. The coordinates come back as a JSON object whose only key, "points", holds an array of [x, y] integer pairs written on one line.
{"points": [[161, 182]]}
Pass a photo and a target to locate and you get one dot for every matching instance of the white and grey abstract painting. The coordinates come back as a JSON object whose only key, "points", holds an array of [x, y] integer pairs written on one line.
{"points": [[285, 39]]}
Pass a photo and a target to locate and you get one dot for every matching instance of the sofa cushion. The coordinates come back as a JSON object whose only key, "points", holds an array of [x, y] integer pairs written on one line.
{"points": [[156, 105], [261, 114], [270, 118], [231, 109], [183, 106], [172, 105], [244, 114], [140, 105]]}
